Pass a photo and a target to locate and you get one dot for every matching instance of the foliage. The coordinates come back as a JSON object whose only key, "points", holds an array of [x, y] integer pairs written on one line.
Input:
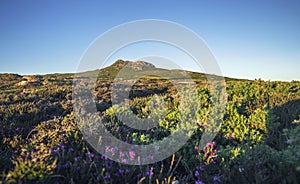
{"points": [[257, 141]]}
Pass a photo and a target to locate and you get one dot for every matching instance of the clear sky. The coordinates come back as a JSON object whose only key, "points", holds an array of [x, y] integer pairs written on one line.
{"points": [[250, 39]]}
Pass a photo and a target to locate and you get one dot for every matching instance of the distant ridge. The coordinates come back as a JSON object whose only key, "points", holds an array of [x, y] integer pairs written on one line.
{"points": [[110, 72]]}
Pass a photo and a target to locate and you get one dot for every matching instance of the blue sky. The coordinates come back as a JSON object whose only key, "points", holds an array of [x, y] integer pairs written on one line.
{"points": [[250, 39]]}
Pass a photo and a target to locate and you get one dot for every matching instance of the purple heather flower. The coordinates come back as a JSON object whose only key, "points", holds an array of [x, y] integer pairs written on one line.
{"points": [[71, 149], [54, 148], [121, 171], [127, 170], [78, 168], [17, 129], [65, 166], [149, 173], [62, 145], [201, 168], [131, 154], [124, 161], [107, 166], [77, 159], [216, 178], [122, 154], [92, 155], [212, 143], [59, 152], [107, 176], [139, 175], [103, 157], [199, 182], [197, 173]]}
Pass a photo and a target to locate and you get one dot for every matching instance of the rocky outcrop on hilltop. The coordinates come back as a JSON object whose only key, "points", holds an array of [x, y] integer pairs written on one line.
{"points": [[140, 65], [137, 65]]}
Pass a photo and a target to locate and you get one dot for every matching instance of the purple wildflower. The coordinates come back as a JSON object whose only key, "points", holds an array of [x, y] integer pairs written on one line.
{"points": [[65, 166], [199, 182], [77, 159], [149, 173], [107, 166], [122, 154], [107, 148], [77, 168], [216, 178], [124, 161], [91, 155], [107, 176], [103, 157], [139, 175], [54, 148], [131, 155], [71, 149], [62, 145], [17, 129], [121, 171], [197, 173], [59, 152]]}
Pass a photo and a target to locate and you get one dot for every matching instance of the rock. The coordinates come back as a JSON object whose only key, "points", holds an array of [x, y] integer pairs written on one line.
{"points": [[137, 65], [140, 65], [23, 83], [32, 79]]}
